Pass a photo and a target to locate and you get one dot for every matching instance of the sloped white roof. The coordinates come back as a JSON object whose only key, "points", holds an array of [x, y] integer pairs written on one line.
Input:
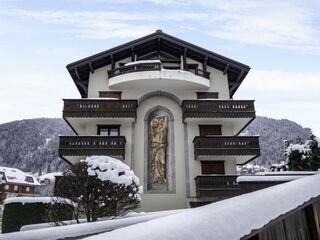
{"points": [[14, 175]]}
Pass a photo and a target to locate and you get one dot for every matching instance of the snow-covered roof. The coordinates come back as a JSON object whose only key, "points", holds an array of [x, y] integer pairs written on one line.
{"points": [[24, 200], [230, 219], [264, 178], [50, 176], [14, 175]]}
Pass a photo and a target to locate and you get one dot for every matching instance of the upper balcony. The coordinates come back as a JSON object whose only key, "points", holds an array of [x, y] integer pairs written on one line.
{"points": [[153, 74], [238, 113], [74, 148], [243, 148], [78, 112]]}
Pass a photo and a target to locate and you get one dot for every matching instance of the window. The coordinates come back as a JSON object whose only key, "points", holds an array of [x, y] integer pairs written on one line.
{"points": [[105, 94], [212, 167], [6, 187], [29, 179], [192, 68], [210, 130], [107, 130], [15, 188], [27, 189], [207, 95]]}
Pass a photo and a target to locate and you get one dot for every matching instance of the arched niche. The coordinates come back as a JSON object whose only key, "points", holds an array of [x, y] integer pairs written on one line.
{"points": [[149, 182]]}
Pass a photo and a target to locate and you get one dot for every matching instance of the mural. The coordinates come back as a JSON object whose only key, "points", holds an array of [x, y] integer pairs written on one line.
{"points": [[159, 143]]}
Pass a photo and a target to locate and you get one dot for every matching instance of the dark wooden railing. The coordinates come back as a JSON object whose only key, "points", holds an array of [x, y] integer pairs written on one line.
{"points": [[218, 109], [92, 145], [100, 108], [217, 187], [226, 145], [140, 67]]}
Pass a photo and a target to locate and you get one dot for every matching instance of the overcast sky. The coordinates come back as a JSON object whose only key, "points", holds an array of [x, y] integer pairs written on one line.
{"points": [[279, 40]]}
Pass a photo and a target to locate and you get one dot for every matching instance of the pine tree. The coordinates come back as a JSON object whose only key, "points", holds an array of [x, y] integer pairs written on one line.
{"points": [[303, 155]]}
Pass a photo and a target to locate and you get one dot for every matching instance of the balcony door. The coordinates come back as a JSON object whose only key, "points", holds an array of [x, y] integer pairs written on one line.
{"points": [[210, 130], [212, 167]]}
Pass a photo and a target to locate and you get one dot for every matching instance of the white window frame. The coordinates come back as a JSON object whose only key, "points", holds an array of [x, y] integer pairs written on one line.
{"points": [[15, 188], [6, 187], [27, 189]]}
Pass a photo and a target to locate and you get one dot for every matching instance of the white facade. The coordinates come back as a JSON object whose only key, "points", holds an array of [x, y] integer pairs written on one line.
{"points": [[162, 89]]}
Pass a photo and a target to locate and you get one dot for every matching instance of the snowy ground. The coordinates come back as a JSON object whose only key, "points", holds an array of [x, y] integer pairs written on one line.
{"points": [[230, 219]]}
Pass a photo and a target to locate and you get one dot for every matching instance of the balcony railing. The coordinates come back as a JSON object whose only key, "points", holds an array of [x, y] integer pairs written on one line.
{"points": [[217, 187], [92, 145], [218, 109], [226, 145], [140, 67], [100, 108]]}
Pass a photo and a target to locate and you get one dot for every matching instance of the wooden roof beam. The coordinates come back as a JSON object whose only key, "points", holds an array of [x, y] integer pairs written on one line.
{"points": [[185, 59], [91, 68], [233, 86], [226, 69], [240, 75], [204, 65]]}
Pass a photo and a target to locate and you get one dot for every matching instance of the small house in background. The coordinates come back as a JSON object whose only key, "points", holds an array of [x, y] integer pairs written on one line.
{"points": [[15, 183]]}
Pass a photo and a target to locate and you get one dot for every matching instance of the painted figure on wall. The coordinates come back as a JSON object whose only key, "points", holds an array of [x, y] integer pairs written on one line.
{"points": [[159, 143]]}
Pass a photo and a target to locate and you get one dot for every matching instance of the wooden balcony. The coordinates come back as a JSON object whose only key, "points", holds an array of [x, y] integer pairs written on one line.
{"points": [[92, 145], [217, 187], [96, 108], [218, 109], [215, 146], [141, 67]]}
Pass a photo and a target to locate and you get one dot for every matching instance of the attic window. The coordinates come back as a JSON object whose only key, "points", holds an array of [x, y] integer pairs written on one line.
{"points": [[29, 179]]}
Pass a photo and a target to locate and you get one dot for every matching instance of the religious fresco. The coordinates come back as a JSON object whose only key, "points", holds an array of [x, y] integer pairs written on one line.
{"points": [[159, 143]]}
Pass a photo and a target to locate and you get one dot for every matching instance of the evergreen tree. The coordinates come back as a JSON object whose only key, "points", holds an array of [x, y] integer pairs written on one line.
{"points": [[303, 155]]}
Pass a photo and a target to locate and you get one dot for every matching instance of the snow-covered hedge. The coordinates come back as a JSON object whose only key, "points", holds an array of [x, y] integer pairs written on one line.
{"points": [[28, 210]]}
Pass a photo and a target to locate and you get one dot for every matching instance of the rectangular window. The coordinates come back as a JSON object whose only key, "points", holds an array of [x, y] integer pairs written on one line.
{"points": [[15, 188], [212, 167], [27, 189], [108, 94], [108, 130], [210, 130], [207, 95], [6, 187]]}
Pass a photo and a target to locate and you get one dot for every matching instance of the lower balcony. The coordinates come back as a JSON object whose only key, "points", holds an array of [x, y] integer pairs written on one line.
{"points": [[212, 188], [242, 148], [75, 148]]}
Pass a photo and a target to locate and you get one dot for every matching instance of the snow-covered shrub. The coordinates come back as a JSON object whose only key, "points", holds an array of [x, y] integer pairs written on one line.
{"points": [[303, 155], [101, 186], [21, 211]]}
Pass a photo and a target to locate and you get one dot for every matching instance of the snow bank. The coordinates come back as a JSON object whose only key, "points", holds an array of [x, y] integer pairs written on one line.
{"points": [[230, 219], [77, 230], [24, 200], [111, 169], [142, 61]]}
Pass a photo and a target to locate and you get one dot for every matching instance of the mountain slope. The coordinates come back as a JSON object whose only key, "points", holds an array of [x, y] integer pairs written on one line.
{"points": [[272, 134], [31, 145]]}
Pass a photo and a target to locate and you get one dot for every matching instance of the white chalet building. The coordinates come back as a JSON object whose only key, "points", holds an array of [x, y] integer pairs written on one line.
{"points": [[164, 107]]}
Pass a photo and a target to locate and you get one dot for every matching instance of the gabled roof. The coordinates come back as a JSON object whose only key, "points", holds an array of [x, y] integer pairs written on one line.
{"points": [[159, 43], [14, 175]]}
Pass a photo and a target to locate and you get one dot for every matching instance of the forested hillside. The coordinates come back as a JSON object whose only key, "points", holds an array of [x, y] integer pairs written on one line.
{"points": [[272, 134]]}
